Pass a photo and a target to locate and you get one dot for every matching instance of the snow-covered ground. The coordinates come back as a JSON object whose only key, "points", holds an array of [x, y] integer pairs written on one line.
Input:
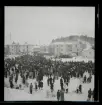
{"points": [[40, 95], [75, 59]]}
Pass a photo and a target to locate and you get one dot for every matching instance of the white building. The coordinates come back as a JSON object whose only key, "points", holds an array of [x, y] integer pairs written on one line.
{"points": [[67, 48], [17, 49], [36, 48]]}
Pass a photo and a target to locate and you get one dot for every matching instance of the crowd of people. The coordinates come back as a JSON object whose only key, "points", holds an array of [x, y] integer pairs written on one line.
{"points": [[36, 67]]}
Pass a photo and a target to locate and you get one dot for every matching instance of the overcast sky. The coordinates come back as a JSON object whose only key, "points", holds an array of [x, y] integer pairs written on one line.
{"points": [[42, 24]]}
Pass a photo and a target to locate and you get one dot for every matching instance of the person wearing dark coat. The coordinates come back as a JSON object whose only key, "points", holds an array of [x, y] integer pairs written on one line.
{"points": [[61, 80], [48, 81], [33, 74], [62, 95], [67, 83], [77, 90], [20, 86], [67, 90], [89, 94], [11, 81], [80, 88], [58, 95], [62, 86], [31, 88], [16, 79], [93, 95], [11, 84], [23, 79], [41, 85], [53, 79], [51, 87], [36, 87], [85, 79]]}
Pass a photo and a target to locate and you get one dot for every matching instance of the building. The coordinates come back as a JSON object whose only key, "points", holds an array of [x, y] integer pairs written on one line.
{"points": [[6, 50], [44, 49], [36, 48], [72, 48], [17, 49], [13, 48]]}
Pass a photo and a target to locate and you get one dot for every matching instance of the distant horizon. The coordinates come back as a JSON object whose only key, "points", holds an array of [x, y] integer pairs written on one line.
{"points": [[40, 25]]}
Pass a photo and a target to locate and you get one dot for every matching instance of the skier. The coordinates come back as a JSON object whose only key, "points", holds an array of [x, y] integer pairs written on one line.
{"points": [[58, 95], [31, 88]]}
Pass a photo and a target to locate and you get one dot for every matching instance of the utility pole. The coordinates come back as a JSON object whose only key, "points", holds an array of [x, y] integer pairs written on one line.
{"points": [[10, 38]]}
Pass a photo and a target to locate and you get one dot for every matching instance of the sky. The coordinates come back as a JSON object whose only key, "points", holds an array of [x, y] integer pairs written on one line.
{"points": [[39, 25]]}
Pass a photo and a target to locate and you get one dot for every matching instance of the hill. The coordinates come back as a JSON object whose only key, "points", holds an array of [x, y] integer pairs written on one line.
{"points": [[75, 38]]}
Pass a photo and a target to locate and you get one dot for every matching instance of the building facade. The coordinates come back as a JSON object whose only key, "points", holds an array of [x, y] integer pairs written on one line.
{"points": [[17, 49], [66, 48]]}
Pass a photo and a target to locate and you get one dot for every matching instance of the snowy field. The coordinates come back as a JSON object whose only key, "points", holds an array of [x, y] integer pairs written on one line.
{"points": [[79, 58], [75, 59], [40, 95]]}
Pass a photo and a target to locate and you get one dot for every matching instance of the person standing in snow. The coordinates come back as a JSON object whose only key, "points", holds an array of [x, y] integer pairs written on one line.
{"points": [[41, 85], [51, 86], [58, 95], [31, 88], [80, 88], [62, 95], [47, 93], [93, 95], [84, 79], [89, 94], [36, 87], [53, 79], [61, 80], [20, 86], [61, 85], [48, 81], [11, 81]]}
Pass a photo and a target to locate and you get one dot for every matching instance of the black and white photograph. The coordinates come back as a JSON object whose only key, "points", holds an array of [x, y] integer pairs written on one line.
{"points": [[49, 53]]}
